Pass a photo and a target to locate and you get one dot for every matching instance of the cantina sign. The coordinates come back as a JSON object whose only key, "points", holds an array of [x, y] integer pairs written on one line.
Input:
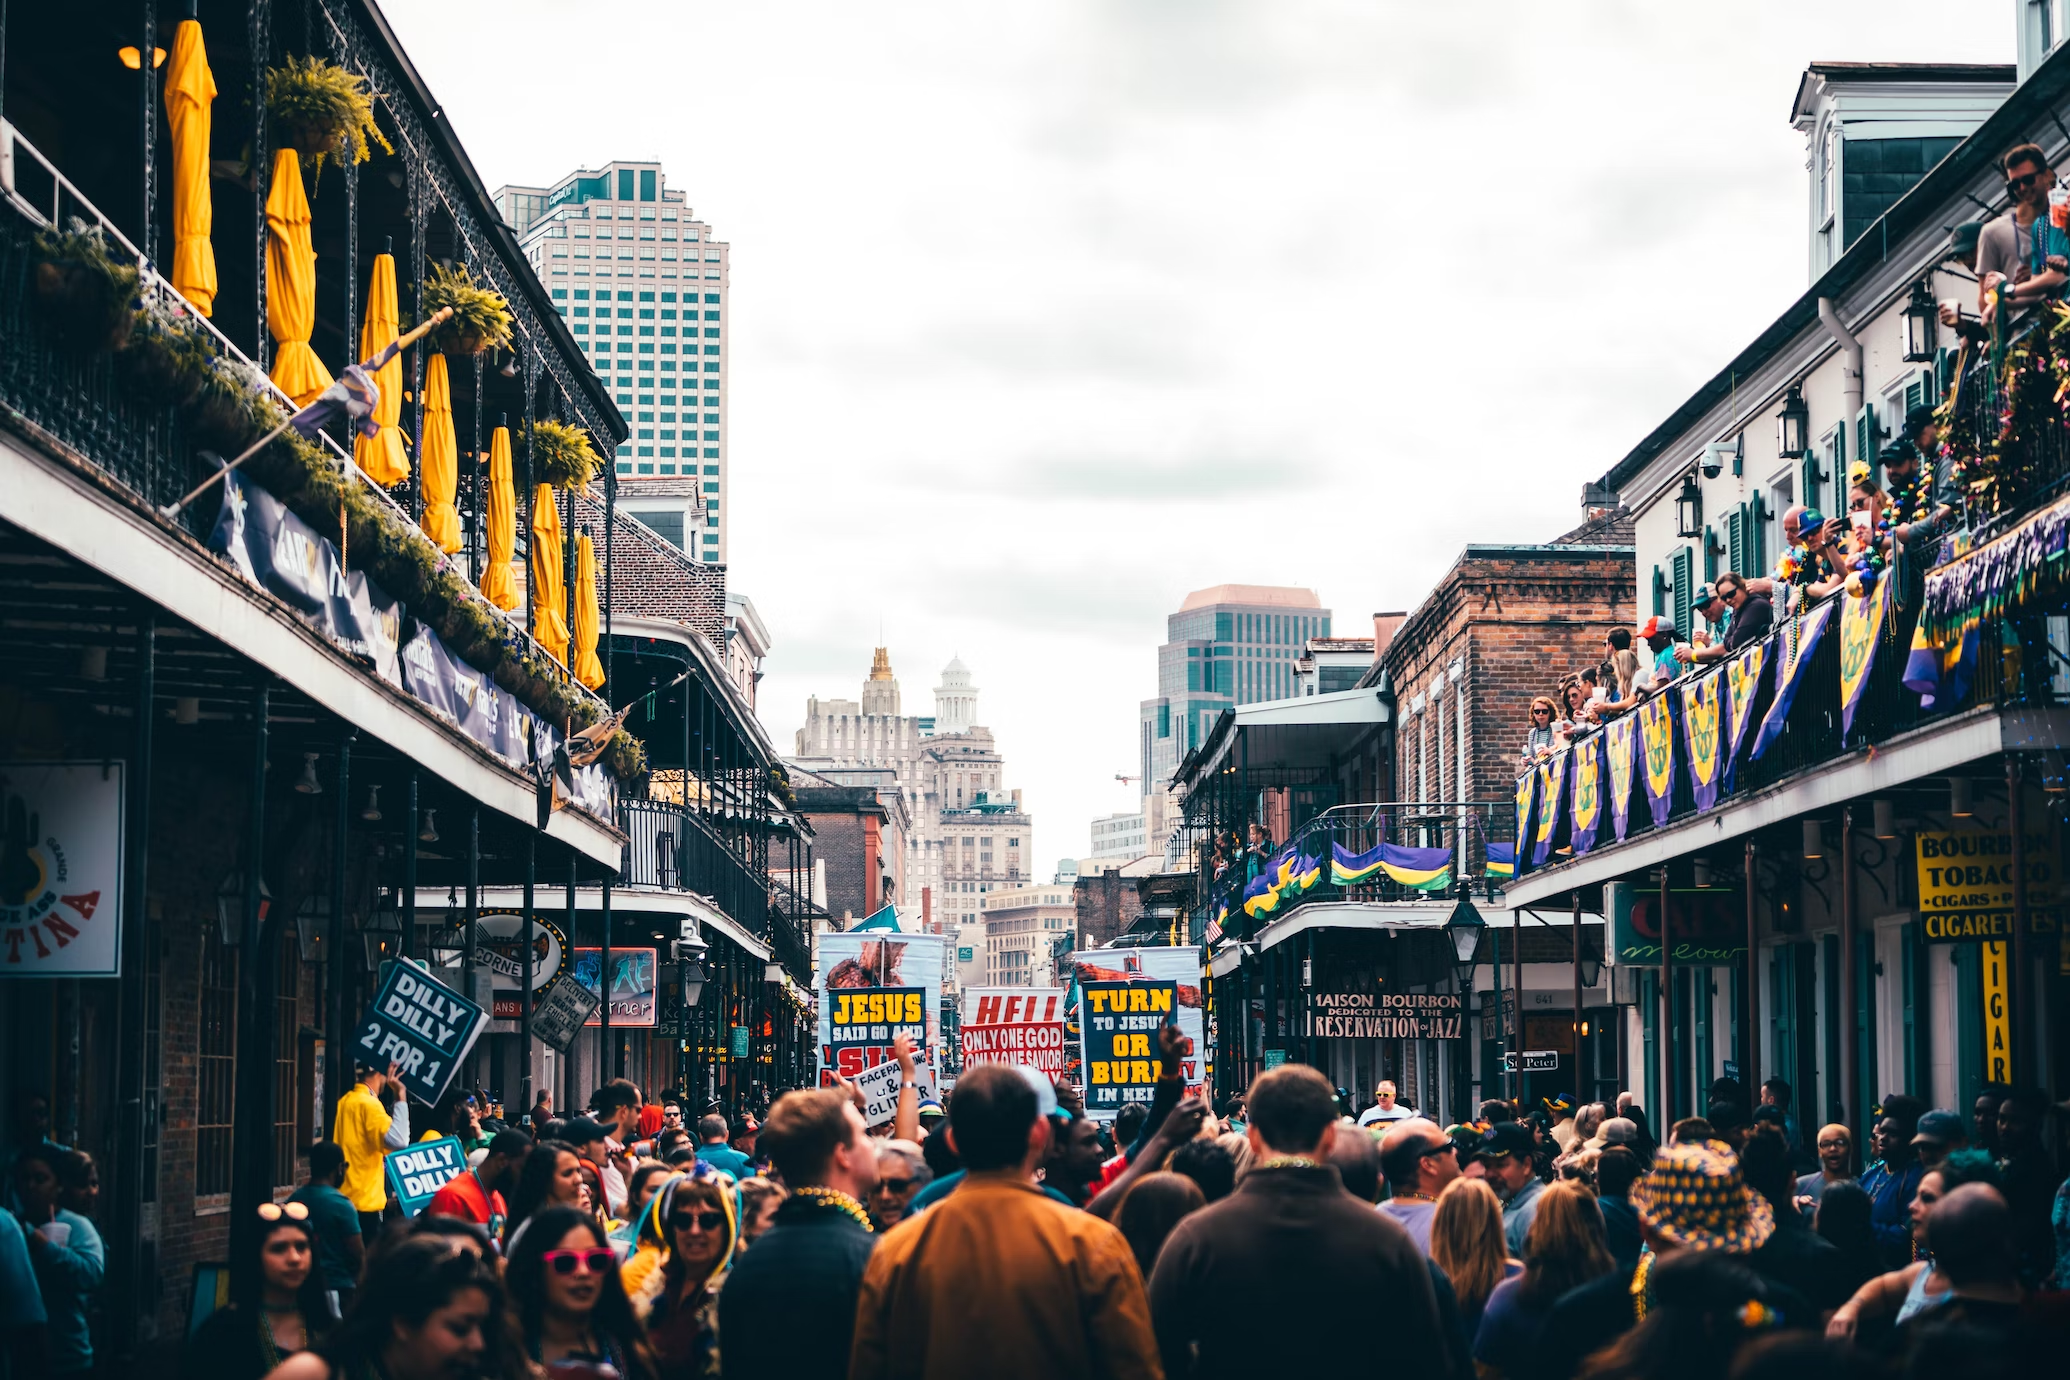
{"points": [[1385, 1015], [1966, 884]]}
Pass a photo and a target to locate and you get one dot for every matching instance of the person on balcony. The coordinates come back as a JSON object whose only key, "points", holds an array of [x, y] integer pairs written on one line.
{"points": [[1810, 566], [1747, 617], [1573, 718], [1659, 635], [2024, 246], [1256, 853], [1921, 476], [1539, 741]]}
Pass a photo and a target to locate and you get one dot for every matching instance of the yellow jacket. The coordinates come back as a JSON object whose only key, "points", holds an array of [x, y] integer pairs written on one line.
{"points": [[358, 1128]]}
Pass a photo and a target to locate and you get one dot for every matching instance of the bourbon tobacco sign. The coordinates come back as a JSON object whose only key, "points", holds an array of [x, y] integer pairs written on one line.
{"points": [[1385, 1015], [1966, 884]]}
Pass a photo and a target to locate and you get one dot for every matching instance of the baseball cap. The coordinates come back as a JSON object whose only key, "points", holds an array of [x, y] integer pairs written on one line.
{"points": [[1045, 1091], [1939, 1127], [1656, 626], [1703, 595], [1917, 417], [1964, 237], [1506, 1138], [930, 1107], [582, 1130], [1559, 1103]]}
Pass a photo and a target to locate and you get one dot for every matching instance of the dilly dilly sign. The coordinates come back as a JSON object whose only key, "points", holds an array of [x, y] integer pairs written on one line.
{"points": [[421, 1026], [417, 1172]]}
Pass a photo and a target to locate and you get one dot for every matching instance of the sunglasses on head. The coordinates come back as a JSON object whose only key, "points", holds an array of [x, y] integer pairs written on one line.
{"points": [[595, 1261], [273, 1212], [703, 1221]]}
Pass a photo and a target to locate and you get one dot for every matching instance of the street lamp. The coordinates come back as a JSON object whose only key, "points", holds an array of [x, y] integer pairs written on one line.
{"points": [[381, 935], [1464, 930], [1591, 966], [230, 906], [1922, 315], [310, 918], [1689, 509], [1793, 424], [692, 978]]}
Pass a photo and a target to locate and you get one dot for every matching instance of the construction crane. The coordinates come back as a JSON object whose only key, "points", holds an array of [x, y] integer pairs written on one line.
{"points": [[1119, 777]]}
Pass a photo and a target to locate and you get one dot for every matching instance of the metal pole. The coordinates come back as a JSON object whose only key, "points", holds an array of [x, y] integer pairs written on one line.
{"points": [[2020, 1018], [147, 118], [1752, 1018], [408, 945], [1578, 1093], [474, 915], [252, 1131], [568, 962], [474, 487], [337, 1068], [259, 42], [1850, 1034], [138, 936], [1666, 1016], [1517, 1097], [524, 952], [607, 1046]]}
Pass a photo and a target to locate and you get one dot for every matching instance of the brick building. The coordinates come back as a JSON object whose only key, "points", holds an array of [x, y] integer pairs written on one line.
{"points": [[1108, 903], [1503, 625], [859, 831]]}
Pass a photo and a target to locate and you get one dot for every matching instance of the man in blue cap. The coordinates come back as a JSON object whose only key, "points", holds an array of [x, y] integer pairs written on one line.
{"points": [[1506, 1150], [1940, 1134]]}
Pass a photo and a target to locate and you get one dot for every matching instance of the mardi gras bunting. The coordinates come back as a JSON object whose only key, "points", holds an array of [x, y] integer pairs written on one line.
{"points": [[1552, 802], [1794, 644], [1940, 675], [1586, 815], [1349, 869], [1419, 869], [1527, 799], [1620, 753], [1502, 860], [1703, 736], [1861, 628], [1743, 675], [1657, 744]]}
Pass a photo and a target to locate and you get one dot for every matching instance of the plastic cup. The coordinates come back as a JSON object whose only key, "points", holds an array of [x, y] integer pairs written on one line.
{"points": [[56, 1233]]}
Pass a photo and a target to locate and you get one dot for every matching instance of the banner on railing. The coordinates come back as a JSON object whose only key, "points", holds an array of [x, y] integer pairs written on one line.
{"points": [[871, 987], [278, 552], [1940, 675], [466, 698], [1527, 799], [1656, 718], [1502, 860], [1552, 803], [1861, 631], [1586, 817], [1620, 760], [1419, 869], [1743, 672], [1794, 643], [1703, 736]]}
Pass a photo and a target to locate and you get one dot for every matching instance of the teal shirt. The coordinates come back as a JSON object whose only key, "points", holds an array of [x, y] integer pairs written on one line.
{"points": [[68, 1275], [332, 1218], [727, 1158]]}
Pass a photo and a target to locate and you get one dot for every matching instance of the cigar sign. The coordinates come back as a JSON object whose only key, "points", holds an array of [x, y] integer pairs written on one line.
{"points": [[1966, 884], [61, 845]]}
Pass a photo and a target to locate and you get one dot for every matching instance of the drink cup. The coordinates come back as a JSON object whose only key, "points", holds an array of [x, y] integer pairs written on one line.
{"points": [[56, 1233]]}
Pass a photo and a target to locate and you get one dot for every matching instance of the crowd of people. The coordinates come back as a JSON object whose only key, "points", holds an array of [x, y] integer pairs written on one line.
{"points": [[1008, 1234]]}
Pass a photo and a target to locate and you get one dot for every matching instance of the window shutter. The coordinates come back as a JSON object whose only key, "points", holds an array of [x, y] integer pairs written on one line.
{"points": [[1915, 392], [1659, 594], [1684, 588], [1735, 539], [1757, 539], [1710, 552]]}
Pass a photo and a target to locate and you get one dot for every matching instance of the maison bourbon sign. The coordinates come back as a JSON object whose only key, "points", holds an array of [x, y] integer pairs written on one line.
{"points": [[1385, 1015]]}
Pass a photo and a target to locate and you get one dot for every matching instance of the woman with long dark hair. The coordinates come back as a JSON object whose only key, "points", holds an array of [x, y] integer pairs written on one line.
{"points": [[687, 1237], [282, 1310], [566, 1301], [431, 1312], [550, 1176]]}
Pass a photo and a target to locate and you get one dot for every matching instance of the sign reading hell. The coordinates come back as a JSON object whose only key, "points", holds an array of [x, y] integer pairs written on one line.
{"points": [[1120, 1022], [863, 1021], [1966, 884]]}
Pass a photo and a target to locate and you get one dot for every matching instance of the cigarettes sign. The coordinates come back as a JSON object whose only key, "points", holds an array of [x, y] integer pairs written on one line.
{"points": [[1015, 1025], [1966, 884], [421, 1026]]}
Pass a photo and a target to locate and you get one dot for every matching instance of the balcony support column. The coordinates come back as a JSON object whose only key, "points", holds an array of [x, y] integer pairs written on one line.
{"points": [[1751, 1054], [126, 1182], [1584, 1097], [1850, 1017], [525, 965], [1667, 1009], [337, 1066], [2020, 1020]]}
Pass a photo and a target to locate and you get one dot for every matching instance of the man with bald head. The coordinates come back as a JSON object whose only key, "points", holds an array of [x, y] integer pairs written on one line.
{"points": [[1970, 1232], [1418, 1159]]}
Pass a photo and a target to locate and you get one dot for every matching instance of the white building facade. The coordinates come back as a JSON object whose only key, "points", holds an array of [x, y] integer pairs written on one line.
{"points": [[1027, 930]]}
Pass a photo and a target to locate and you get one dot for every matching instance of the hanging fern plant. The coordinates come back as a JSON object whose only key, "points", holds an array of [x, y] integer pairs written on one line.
{"points": [[562, 456], [480, 320], [321, 110]]}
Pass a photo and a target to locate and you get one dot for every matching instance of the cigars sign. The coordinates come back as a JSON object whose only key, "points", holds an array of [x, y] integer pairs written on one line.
{"points": [[1385, 1015], [61, 846]]}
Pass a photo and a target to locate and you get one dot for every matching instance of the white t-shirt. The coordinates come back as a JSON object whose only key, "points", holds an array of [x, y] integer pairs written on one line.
{"points": [[1373, 1115]]}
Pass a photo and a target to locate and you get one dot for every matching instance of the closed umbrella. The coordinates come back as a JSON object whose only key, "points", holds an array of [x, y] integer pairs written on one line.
{"points": [[190, 91], [549, 589], [499, 582], [291, 283], [583, 615], [382, 456], [441, 455]]}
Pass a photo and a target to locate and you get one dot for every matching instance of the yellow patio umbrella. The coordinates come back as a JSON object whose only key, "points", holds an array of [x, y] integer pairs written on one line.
{"points": [[584, 616], [382, 456], [190, 91], [441, 455], [499, 583], [291, 283], [549, 586]]}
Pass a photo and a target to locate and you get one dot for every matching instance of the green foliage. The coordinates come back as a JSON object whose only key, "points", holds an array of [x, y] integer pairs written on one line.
{"points": [[322, 110], [481, 318], [562, 456], [86, 294], [168, 355]]}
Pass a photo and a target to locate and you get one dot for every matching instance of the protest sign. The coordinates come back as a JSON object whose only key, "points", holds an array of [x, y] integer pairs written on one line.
{"points": [[879, 1088], [561, 1010], [873, 985], [1112, 1077], [420, 1025], [1014, 1025], [417, 1172]]}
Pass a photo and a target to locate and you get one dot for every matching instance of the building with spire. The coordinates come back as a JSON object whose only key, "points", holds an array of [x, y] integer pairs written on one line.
{"points": [[969, 833]]}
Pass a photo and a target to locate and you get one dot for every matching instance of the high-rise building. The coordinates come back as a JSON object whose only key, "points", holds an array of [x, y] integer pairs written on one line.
{"points": [[1119, 836], [644, 288], [969, 833], [1027, 929], [1226, 646]]}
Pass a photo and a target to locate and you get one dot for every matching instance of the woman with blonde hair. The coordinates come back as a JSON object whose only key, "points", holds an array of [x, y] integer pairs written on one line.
{"points": [[1467, 1243], [687, 1236], [1539, 741], [1565, 1249]]}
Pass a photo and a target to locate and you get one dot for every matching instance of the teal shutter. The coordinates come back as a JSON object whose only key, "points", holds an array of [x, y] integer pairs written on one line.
{"points": [[1710, 553], [1735, 541], [1868, 443], [1915, 393], [1684, 588], [1757, 536], [1660, 587]]}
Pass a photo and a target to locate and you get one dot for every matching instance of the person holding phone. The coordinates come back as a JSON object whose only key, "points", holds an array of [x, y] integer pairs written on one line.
{"points": [[567, 1303]]}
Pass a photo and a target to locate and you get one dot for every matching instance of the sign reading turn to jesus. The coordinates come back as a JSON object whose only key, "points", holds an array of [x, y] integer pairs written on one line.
{"points": [[1966, 884], [1121, 1021]]}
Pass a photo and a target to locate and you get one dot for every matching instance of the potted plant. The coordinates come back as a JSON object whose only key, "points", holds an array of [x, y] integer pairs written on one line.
{"points": [[318, 108], [166, 362], [562, 455], [224, 412], [85, 295], [480, 319]]}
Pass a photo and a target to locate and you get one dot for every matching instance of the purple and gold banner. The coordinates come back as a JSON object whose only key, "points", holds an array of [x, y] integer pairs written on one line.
{"points": [[1620, 756], [1861, 629], [1552, 803], [1794, 643], [1586, 816], [1657, 754], [1743, 673], [1527, 799], [1703, 736]]}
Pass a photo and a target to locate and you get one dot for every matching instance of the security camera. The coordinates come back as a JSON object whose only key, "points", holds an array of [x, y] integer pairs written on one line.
{"points": [[1712, 465], [688, 950]]}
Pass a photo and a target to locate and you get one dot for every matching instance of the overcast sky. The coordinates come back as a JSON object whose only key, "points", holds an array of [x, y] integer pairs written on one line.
{"points": [[1045, 315]]}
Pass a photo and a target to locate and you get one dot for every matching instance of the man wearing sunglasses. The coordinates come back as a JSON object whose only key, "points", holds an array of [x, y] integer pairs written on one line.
{"points": [[2022, 246], [1418, 1160]]}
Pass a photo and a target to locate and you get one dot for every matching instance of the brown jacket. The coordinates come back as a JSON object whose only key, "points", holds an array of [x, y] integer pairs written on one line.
{"points": [[1000, 1280]]}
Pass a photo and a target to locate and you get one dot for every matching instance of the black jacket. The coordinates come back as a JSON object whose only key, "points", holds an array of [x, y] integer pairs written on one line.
{"points": [[1263, 1282], [788, 1307]]}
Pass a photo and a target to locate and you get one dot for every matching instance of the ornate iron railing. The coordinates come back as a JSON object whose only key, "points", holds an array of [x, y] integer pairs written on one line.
{"points": [[668, 848]]}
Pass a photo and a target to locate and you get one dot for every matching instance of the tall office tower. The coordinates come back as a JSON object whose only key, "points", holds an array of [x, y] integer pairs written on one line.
{"points": [[644, 287]]}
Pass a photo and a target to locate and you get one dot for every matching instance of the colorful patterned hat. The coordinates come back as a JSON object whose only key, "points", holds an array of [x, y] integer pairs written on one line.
{"points": [[1696, 1199]]}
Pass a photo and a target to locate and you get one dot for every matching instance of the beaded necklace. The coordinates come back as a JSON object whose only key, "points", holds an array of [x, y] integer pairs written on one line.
{"points": [[268, 1346], [1288, 1162], [1410, 1196], [1642, 1294], [838, 1201]]}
